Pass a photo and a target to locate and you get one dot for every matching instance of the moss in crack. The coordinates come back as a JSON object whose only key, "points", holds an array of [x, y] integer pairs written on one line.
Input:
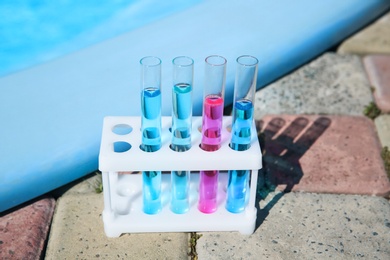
{"points": [[98, 185], [371, 111], [386, 159], [192, 244]]}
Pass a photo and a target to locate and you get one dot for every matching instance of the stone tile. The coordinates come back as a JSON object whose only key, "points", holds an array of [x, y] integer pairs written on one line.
{"points": [[77, 233], [382, 124], [23, 231], [324, 154], [373, 39], [308, 226], [331, 84], [378, 70]]}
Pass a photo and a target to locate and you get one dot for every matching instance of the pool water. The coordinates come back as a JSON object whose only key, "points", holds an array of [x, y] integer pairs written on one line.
{"points": [[33, 32]]}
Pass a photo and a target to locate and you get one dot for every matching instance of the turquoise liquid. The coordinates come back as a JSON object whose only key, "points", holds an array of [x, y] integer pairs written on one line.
{"points": [[238, 183], [151, 142], [151, 119], [181, 142], [181, 117], [180, 186], [151, 191]]}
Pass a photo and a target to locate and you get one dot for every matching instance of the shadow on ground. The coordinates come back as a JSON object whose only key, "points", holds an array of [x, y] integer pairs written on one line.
{"points": [[282, 147]]}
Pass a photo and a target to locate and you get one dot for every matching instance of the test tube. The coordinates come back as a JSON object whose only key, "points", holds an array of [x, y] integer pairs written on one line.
{"points": [[242, 119], [183, 70], [213, 103], [151, 129]]}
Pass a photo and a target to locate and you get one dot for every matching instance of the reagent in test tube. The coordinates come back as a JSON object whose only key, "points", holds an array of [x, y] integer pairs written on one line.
{"points": [[213, 104], [242, 120], [151, 130], [181, 129]]}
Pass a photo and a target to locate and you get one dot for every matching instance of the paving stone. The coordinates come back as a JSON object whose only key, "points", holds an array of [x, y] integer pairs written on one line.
{"points": [[382, 124], [324, 154], [308, 226], [77, 233], [378, 70], [24, 230], [373, 39], [331, 84]]}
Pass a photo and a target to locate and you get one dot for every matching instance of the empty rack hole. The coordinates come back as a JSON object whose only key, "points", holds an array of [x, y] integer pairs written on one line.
{"points": [[121, 147], [122, 129]]}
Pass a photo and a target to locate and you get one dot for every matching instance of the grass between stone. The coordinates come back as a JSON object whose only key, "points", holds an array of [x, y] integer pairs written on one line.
{"points": [[192, 245], [386, 159], [371, 111]]}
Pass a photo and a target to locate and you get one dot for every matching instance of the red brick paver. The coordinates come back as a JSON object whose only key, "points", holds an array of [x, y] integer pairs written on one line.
{"points": [[324, 154], [378, 70], [24, 231]]}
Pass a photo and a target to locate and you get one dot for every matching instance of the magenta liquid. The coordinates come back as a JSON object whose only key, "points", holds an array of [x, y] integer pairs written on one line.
{"points": [[208, 188], [211, 141], [212, 123]]}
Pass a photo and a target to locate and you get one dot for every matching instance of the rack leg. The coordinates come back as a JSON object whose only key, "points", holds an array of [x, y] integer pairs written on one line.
{"points": [[253, 190]]}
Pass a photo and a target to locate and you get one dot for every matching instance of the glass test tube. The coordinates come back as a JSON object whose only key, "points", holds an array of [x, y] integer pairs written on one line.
{"points": [[183, 68], [213, 103], [243, 106], [151, 129]]}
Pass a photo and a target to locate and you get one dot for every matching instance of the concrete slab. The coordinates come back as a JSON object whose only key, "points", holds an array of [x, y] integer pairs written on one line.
{"points": [[382, 124], [373, 39], [24, 230], [378, 70], [308, 226], [324, 154], [331, 84], [77, 232]]}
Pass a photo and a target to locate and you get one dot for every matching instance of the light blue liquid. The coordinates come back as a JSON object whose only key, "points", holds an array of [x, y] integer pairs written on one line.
{"points": [[238, 183], [151, 119], [241, 125], [151, 191], [151, 142], [237, 190], [181, 117], [180, 186], [181, 142]]}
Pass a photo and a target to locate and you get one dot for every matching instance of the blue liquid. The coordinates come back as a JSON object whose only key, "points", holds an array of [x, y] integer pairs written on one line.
{"points": [[238, 183], [241, 125], [151, 191], [181, 141], [181, 117], [151, 119], [237, 190], [151, 142], [180, 186]]}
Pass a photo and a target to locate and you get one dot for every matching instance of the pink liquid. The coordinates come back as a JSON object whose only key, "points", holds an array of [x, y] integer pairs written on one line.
{"points": [[208, 188], [211, 141], [212, 123]]}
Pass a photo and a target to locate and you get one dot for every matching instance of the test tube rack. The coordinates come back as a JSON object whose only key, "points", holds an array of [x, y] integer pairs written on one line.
{"points": [[121, 162]]}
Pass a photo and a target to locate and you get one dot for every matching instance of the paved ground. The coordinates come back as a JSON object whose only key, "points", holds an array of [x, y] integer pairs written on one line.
{"points": [[322, 166]]}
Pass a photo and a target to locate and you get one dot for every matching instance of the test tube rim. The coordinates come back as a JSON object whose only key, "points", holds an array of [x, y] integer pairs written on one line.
{"points": [[216, 64], [255, 61], [158, 63]]}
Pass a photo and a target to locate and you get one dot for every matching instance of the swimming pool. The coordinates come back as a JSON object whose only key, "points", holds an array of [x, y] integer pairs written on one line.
{"points": [[34, 32]]}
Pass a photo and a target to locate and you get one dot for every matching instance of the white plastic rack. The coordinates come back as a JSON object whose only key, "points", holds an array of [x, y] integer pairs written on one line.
{"points": [[121, 160]]}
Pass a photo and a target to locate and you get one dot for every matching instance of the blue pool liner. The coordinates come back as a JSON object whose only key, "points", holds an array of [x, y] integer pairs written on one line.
{"points": [[51, 114]]}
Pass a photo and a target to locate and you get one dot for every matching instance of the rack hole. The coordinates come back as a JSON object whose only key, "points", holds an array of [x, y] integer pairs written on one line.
{"points": [[122, 129], [121, 147], [229, 128]]}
